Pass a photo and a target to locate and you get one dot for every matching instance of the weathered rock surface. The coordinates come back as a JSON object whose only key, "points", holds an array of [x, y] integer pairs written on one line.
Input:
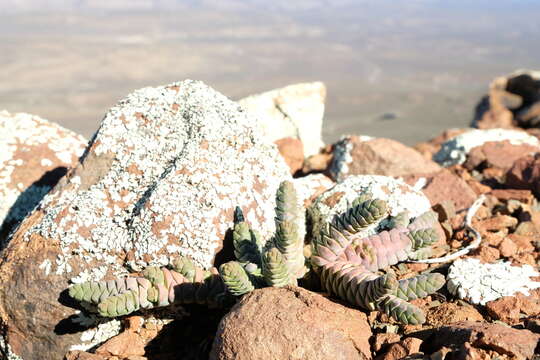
{"points": [[520, 344], [456, 150], [293, 111], [398, 195], [34, 155], [311, 186], [444, 186], [291, 323], [525, 174], [292, 151], [448, 313], [498, 154], [356, 155], [160, 178]]}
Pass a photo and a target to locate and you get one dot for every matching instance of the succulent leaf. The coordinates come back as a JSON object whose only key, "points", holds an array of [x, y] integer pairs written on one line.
{"points": [[246, 244], [419, 286], [274, 268], [360, 216], [401, 310], [423, 237], [236, 278], [400, 220]]}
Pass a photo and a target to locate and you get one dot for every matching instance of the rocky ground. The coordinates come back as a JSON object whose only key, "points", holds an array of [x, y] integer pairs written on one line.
{"points": [[167, 166]]}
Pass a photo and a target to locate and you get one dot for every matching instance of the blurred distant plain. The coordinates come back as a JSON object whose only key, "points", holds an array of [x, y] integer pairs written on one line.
{"points": [[404, 69]]}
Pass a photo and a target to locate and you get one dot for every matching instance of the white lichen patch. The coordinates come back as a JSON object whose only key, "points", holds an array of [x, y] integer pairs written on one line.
{"points": [[398, 195], [342, 157], [454, 151], [29, 147], [172, 163], [98, 335], [480, 283], [308, 187]]}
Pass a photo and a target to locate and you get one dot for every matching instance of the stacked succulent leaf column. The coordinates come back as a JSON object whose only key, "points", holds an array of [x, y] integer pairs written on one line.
{"points": [[157, 287], [347, 262], [280, 261]]}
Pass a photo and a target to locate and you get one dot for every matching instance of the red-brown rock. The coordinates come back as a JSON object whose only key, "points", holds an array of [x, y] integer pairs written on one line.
{"points": [[381, 341], [506, 309], [292, 151], [83, 355], [402, 349], [524, 196], [498, 154], [443, 186], [496, 223], [448, 313], [504, 340], [525, 174], [507, 247], [354, 155], [291, 323], [127, 343]]}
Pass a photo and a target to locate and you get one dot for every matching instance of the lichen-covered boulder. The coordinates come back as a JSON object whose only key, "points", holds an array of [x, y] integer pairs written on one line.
{"points": [[455, 150], [291, 323], [362, 155], [160, 179], [34, 155], [398, 195], [293, 111]]}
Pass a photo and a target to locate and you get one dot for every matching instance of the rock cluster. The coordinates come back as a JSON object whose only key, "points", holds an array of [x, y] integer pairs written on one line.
{"points": [[162, 177]]}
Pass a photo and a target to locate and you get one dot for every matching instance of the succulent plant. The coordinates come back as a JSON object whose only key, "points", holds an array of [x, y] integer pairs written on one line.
{"points": [[280, 261], [346, 262], [156, 287]]}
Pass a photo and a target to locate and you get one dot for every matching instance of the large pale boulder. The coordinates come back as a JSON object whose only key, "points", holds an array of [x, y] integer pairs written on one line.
{"points": [[34, 155], [160, 179], [293, 111], [291, 323]]}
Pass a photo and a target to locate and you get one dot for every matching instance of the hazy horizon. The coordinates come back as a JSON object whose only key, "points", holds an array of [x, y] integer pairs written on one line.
{"points": [[426, 62]]}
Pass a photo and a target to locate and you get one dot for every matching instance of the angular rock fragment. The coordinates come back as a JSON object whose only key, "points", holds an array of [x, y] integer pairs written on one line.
{"points": [[525, 174], [34, 155], [160, 179], [291, 323], [293, 111], [498, 154], [456, 150], [360, 155], [519, 344], [444, 186]]}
